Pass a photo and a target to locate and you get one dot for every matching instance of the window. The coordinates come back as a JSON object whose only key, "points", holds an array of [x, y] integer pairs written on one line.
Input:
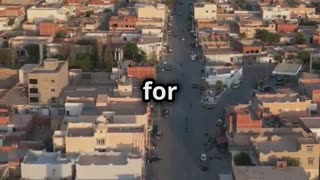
{"points": [[33, 90], [33, 81], [100, 142], [310, 148], [34, 99], [52, 81], [53, 90], [53, 100], [310, 161], [309, 174], [207, 11]]}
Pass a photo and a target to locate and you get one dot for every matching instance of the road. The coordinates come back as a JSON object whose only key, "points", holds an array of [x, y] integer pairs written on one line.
{"points": [[180, 150]]}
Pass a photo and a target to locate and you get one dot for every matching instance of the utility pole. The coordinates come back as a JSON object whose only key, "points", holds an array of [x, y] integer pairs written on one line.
{"points": [[310, 62]]}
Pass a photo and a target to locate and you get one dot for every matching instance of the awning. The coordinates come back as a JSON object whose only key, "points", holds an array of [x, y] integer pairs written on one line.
{"points": [[287, 69]]}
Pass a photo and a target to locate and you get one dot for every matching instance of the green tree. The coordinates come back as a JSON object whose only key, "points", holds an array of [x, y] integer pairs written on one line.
{"points": [[82, 61], [205, 85], [8, 57], [267, 36], [72, 22], [299, 38], [108, 59], [132, 52], [243, 35], [278, 58], [61, 34], [33, 53], [242, 159], [304, 56], [89, 13], [100, 56], [219, 86]]}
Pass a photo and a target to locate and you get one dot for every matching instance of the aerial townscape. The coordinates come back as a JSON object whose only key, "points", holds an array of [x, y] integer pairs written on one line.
{"points": [[159, 89]]}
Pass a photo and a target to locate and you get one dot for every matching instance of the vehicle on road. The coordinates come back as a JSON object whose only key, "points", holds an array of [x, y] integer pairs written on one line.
{"points": [[153, 159], [236, 84], [164, 62], [279, 82], [167, 68], [266, 89], [182, 39], [219, 122], [228, 64], [170, 49], [193, 57], [204, 162]]}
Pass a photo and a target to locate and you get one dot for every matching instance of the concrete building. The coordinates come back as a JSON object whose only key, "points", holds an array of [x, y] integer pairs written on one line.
{"points": [[38, 165], [37, 14], [142, 72], [268, 172], [150, 22], [243, 117], [214, 40], [266, 150], [222, 56], [316, 37], [277, 12], [152, 12], [12, 11], [101, 5], [309, 85], [302, 11], [127, 23], [109, 165], [249, 27], [311, 124], [152, 46], [275, 104], [221, 73], [46, 81], [286, 26], [204, 10], [48, 29], [248, 47], [5, 115]]}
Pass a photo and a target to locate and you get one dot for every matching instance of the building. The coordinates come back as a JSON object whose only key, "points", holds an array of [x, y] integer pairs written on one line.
{"points": [[46, 81], [152, 12], [311, 124], [222, 56], [248, 47], [19, 2], [101, 5], [277, 12], [316, 37], [212, 24], [227, 75], [48, 29], [12, 11], [152, 46], [275, 104], [100, 136], [249, 27], [109, 165], [214, 40], [268, 172], [151, 22], [126, 23], [205, 11], [46, 165], [309, 85], [74, 2], [243, 117], [266, 150], [286, 26], [37, 14], [141, 72], [5, 115], [302, 11]]}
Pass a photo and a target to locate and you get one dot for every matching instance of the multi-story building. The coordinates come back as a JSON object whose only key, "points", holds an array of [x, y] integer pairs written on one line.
{"points": [[37, 14], [286, 26], [243, 117], [274, 104], [205, 11], [302, 11], [101, 5], [46, 81], [127, 23], [46, 165], [277, 12], [5, 115], [213, 40], [152, 46], [248, 47], [12, 11], [152, 12], [48, 29], [303, 151], [249, 27], [316, 37], [310, 85], [109, 165]]}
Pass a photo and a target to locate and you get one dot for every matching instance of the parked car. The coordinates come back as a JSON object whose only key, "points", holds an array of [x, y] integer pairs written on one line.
{"points": [[279, 82], [219, 122], [195, 85], [204, 162], [236, 84], [266, 89]]}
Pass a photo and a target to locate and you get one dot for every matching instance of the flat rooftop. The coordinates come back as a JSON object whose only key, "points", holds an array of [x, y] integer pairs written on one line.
{"points": [[287, 69], [127, 108], [311, 122], [268, 173], [80, 132], [41, 157], [15, 96], [280, 98], [107, 158], [276, 143], [21, 120], [247, 110]]}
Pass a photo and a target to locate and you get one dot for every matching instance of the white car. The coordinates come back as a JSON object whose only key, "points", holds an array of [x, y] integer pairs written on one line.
{"points": [[182, 39], [219, 122], [164, 62], [170, 49]]}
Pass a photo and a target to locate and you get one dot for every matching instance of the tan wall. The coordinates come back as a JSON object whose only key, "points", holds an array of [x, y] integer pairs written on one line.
{"points": [[151, 12], [150, 22], [251, 31], [45, 85], [126, 141], [276, 108]]}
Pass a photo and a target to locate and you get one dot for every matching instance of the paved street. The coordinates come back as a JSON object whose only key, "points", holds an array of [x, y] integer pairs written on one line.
{"points": [[180, 150]]}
